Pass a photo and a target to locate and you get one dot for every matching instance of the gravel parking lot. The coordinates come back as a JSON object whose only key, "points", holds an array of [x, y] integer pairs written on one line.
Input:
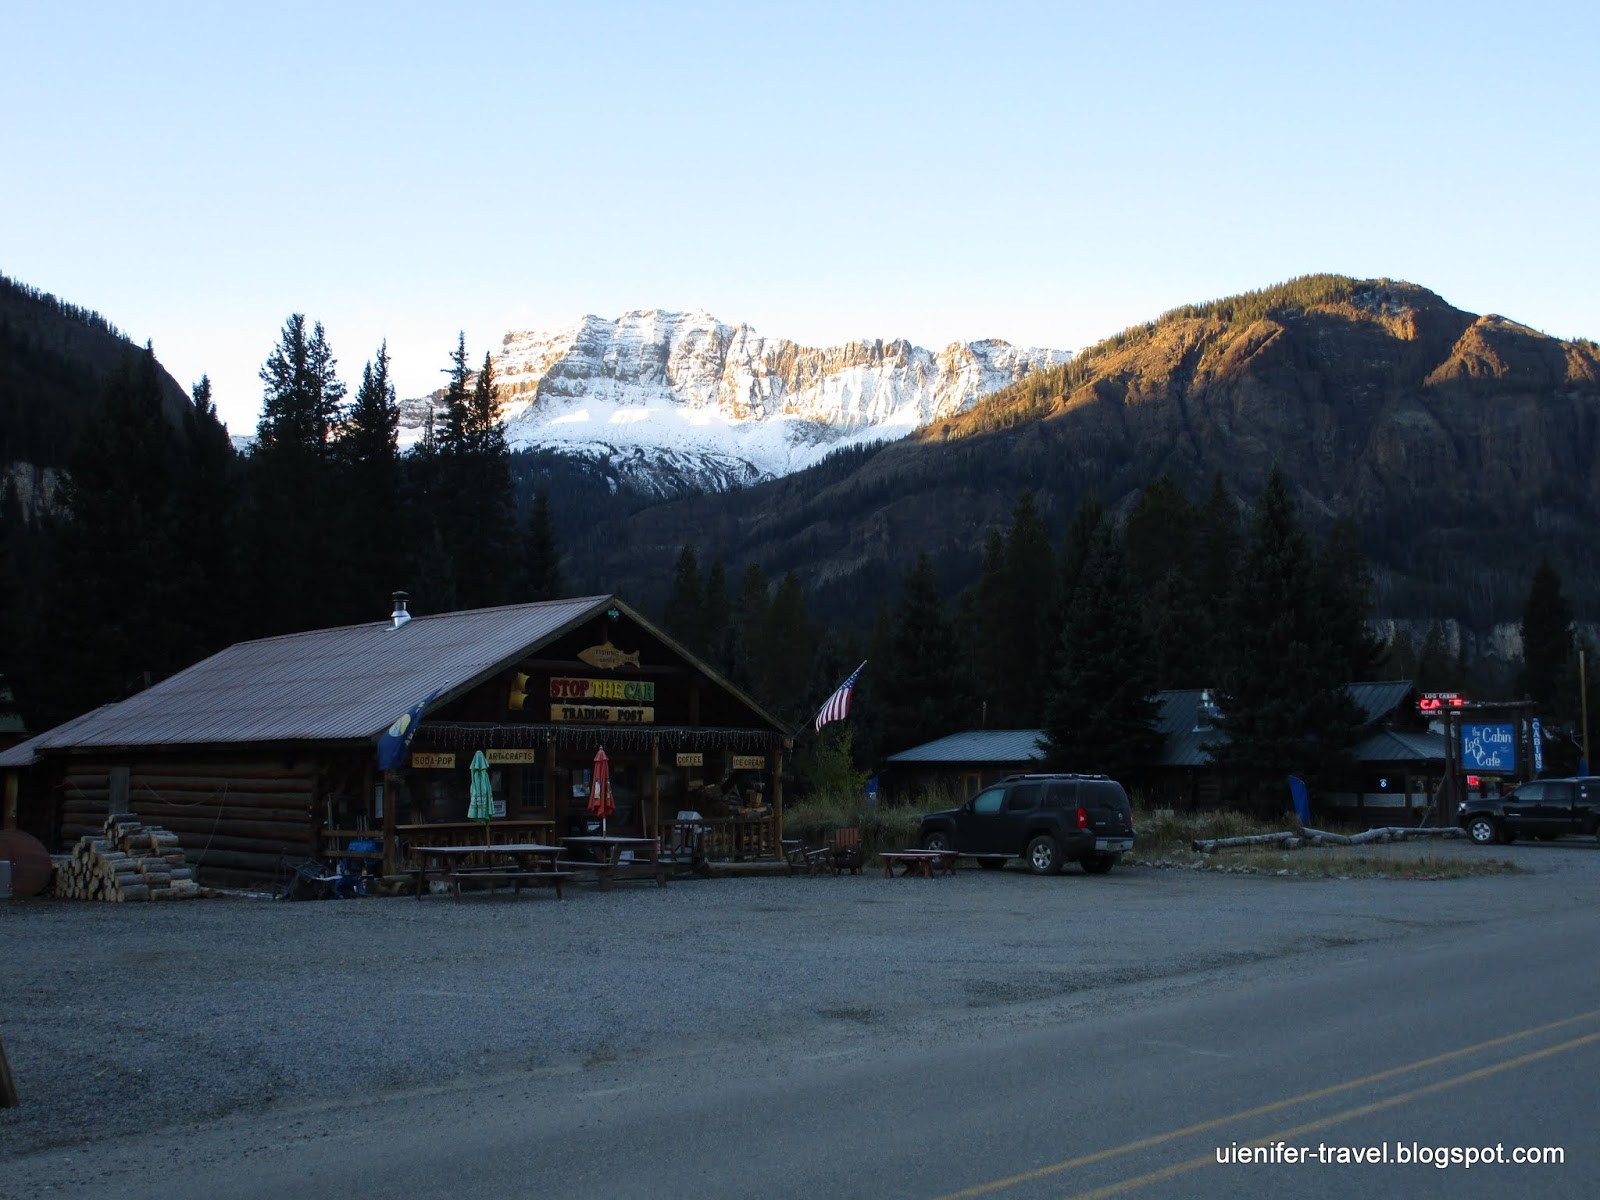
{"points": [[124, 1018]]}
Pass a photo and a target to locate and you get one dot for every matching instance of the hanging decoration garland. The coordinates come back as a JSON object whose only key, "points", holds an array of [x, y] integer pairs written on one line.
{"points": [[456, 735]]}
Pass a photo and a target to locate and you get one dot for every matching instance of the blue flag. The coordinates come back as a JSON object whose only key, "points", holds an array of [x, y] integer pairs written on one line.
{"points": [[396, 740], [1302, 802]]}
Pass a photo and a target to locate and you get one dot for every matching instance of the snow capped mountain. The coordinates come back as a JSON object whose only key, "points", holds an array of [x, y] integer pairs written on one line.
{"points": [[679, 400]]}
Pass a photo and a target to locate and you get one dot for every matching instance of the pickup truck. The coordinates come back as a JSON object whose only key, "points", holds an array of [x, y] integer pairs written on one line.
{"points": [[1541, 808]]}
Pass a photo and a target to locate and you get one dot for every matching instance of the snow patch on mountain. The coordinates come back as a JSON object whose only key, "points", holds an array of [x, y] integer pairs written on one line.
{"points": [[689, 397]]}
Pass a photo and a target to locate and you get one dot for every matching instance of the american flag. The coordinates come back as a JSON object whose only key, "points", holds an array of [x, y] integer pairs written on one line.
{"points": [[838, 705]]}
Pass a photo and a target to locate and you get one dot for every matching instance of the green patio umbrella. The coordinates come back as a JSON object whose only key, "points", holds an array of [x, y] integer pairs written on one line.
{"points": [[482, 806]]}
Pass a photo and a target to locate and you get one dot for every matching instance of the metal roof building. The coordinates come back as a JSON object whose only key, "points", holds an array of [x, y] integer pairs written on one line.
{"points": [[1000, 747], [1188, 719], [306, 734]]}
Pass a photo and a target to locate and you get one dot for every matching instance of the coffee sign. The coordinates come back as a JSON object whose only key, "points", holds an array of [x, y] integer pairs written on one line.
{"points": [[695, 759]]}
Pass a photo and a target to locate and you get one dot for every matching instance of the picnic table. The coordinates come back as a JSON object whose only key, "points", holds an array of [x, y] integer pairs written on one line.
{"points": [[619, 857], [918, 862], [514, 863]]}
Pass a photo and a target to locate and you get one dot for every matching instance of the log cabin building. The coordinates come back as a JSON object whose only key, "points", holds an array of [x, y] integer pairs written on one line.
{"points": [[285, 749]]}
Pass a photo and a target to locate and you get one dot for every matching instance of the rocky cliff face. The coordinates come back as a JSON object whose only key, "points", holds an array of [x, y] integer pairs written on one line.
{"points": [[1380, 398], [722, 404], [1464, 447]]}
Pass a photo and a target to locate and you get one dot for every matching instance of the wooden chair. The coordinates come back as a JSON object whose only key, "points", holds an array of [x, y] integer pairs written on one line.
{"points": [[812, 860], [846, 851]]}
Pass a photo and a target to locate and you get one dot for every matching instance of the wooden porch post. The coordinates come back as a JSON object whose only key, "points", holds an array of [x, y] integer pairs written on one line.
{"points": [[777, 792], [391, 797], [655, 787]]}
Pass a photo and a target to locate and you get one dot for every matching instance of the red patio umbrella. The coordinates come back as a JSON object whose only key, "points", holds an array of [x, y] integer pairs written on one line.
{"points": [[601, 802]]}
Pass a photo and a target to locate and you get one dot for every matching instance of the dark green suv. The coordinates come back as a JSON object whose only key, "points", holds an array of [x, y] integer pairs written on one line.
{"points": [[1045, 820]]}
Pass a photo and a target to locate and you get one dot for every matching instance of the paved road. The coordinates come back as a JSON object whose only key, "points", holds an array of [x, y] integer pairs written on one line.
{"points": [[1471, 1020]]}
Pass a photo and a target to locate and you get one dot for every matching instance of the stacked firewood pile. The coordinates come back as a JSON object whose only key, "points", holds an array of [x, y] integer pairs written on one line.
{"points": [[129, 861]]}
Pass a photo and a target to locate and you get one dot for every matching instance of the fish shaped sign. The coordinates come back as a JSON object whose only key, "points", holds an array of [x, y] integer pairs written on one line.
{"points": [[607, 657]]}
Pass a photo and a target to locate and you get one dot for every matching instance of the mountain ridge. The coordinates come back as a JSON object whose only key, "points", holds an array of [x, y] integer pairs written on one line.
{"points": [[747, 407], [1461, 445]]}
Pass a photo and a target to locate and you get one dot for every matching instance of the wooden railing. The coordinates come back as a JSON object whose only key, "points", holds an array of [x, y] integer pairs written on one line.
{"points": [[722, 839]]}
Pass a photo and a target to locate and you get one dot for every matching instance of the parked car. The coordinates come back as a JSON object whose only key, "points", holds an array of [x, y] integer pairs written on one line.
{"points": [[1045, 820], [1541, 808]]}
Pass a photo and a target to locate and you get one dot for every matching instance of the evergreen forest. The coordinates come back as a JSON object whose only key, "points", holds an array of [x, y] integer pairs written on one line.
{"points": [[164, 544]]}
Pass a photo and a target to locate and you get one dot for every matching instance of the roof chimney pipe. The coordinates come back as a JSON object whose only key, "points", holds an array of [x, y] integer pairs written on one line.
{"points": [[399, 616]]}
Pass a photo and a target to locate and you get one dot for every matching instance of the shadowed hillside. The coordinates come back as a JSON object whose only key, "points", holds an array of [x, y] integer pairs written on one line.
{"points": [[1463, 447]]}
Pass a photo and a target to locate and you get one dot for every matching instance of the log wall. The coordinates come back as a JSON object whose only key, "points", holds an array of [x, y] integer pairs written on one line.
{"points": [[237, 819]]}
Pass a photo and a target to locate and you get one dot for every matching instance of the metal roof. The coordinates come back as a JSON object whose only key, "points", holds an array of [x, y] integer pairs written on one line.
{"points": [[22, 754], [1184, 745], [1390, 745], [327, 684], [999, 746], [1378, 700]]}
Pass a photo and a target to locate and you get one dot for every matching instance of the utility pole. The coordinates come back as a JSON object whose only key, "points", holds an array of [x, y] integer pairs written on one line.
{"points": [[1583, 694]]}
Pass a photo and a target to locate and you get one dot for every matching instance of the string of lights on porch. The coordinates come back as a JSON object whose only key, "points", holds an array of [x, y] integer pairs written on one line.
{"points": [[461, 735]]}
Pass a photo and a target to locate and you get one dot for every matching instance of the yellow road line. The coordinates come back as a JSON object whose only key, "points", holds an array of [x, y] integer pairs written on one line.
{"points": [[1349, 1114], [1157, 1139]]}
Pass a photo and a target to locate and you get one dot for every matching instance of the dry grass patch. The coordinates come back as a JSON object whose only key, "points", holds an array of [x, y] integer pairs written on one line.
{"points": [[1336, 862], [1165, 838]]}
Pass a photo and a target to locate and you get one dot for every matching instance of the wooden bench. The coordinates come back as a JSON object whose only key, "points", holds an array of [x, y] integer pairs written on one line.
{"points": [[814, 861], [918, 862], [494, 875]]}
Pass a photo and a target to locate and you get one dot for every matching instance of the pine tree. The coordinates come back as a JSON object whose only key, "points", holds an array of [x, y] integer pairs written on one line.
{"points": [[14, 612], [1547, 643], [1100, 715], [1161, 533], [984, 619], [1285, 705], [1162, 541], [115, 618], [718, 636], [1436, 667], [455, 429], [471, 491], [1216, 568], [540, 556], [1343, 583], [289, 541], [685, 615], [367, 450], [1080, 538], [748, 630], [301, 404], [919, 688], [208, 500], [790, 640], [1026, 605]]}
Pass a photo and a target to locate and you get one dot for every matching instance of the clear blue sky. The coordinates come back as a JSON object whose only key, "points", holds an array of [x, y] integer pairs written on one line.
{"points": [[1043, 173]]}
